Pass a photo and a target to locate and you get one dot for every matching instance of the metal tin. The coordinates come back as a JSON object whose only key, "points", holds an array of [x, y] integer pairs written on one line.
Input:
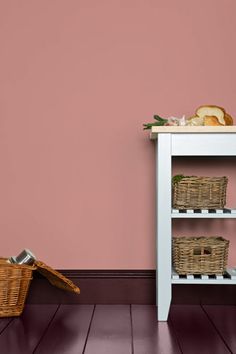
{"points": [[25, 257]]}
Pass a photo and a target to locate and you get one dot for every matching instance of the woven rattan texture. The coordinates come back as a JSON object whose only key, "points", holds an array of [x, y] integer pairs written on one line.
{"points": [[200, 255], [56, 278], [200, 193], [14, 284]]}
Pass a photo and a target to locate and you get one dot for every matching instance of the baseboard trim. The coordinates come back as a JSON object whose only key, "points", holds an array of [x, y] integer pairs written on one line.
{"points": [[110, 273], [124, 287]]}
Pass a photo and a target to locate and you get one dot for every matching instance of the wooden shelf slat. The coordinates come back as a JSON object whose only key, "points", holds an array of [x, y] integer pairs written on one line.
{"points": [[228, 278], [205, 213]]}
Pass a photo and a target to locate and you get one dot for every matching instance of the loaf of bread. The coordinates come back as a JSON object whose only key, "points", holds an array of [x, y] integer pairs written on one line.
{"points": [[211, 111], [210, 115]]}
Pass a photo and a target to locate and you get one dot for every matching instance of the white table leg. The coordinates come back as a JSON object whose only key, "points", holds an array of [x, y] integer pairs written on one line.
{"points": [[163, 179]]}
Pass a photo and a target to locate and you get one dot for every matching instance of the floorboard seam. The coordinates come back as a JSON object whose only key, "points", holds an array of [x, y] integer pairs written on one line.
{"points": [[132, 332], [8, 324], [90, 324], [215, 327], [175, 334], [46, 329]]}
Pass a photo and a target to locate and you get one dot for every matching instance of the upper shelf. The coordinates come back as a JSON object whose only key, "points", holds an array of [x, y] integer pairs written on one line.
{"points": [[191, 129]]}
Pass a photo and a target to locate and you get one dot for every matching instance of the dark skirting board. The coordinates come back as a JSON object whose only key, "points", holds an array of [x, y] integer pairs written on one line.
{"points": [[124, 287]]}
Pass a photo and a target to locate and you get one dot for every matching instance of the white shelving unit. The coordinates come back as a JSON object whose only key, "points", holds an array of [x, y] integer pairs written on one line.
{"points": [[204, 213], [184, 141]]}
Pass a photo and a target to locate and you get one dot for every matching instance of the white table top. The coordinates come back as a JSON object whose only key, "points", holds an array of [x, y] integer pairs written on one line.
{"points": [[191, 129]]}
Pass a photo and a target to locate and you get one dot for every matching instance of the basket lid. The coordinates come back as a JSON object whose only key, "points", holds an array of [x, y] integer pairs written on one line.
{"points": [[56, 278]]}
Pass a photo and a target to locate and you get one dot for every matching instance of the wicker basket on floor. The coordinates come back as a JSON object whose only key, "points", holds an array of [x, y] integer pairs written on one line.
{"points": [[200, 255], [199, 193], [14, 284], [15, 280]]}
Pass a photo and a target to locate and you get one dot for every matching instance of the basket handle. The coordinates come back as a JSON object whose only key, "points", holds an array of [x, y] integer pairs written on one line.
{"points": [[202, 251]]}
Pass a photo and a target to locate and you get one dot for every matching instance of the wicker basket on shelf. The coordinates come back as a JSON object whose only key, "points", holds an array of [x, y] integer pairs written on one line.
{"points": [[200, 255], [199, 192], [14, 284]]}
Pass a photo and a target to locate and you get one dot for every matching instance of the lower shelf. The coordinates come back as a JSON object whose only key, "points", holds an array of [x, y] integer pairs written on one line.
{"points": [[204, 213], [229, 277]]}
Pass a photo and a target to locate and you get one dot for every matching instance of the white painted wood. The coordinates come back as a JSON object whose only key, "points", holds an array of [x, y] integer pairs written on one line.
{"points": [[194, 129], [205, 211], [204, 215], [198, 143], [204, 281], [175, 275], [190, 276], [232, 273], [190, 211], [219, 279], [204, 276], [163, 174], [203, 144]]}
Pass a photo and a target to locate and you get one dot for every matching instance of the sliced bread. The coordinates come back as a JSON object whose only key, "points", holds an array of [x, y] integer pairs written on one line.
{"points": [[210, 111]]}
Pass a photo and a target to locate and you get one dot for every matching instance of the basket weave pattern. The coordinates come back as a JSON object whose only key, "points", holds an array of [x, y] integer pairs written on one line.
{"points": [[56, 278], [14, 284], [200, 193], [200, 255]]}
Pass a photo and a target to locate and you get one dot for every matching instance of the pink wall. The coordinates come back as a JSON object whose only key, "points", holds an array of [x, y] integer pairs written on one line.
{"points": [[77, 80]]}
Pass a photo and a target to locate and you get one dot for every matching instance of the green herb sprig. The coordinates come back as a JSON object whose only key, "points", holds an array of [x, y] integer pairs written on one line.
{"points": [[159, 122], [178, 178]]}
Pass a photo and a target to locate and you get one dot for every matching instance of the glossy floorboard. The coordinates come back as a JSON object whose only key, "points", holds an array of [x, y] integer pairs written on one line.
{"points": [[119, 329]]}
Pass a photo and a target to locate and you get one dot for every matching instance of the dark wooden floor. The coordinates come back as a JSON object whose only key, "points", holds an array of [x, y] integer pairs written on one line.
{"points": [[119, 329]]}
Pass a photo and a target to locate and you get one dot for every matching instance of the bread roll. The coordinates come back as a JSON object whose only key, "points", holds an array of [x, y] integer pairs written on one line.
{"points": [[228, 119], [211, 120]]}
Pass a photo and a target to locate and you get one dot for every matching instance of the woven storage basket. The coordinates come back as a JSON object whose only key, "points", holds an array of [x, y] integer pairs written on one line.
{"points": [[15, 280], [200, 255], [14, 284], [199, 193], [56, 278]]}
